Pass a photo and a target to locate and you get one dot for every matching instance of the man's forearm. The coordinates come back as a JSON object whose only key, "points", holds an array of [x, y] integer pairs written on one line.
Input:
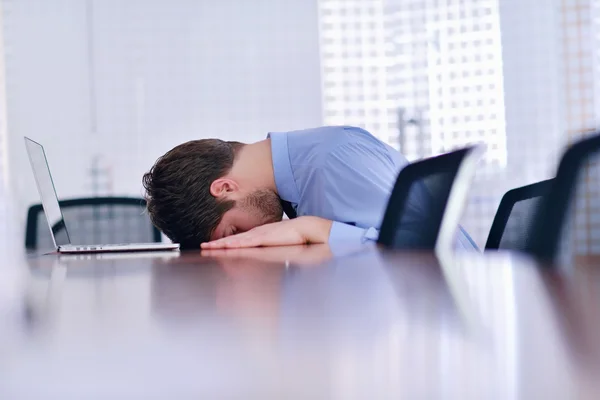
{"points": [[314, 229]]}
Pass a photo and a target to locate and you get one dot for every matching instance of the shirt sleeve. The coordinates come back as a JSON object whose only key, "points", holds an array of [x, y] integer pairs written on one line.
{"points": [[341, 232], [351, 187]]}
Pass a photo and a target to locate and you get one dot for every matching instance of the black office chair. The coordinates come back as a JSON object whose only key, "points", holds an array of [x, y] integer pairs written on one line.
{"points": [[544, 239], [94, 220], [427, 201], [515, 215]]}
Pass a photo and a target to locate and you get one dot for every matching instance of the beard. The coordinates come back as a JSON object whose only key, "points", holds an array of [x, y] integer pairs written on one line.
{"points": [[264, 204]]}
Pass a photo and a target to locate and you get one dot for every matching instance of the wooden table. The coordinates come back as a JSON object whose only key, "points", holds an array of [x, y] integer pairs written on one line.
{"points": [[299, 323]]}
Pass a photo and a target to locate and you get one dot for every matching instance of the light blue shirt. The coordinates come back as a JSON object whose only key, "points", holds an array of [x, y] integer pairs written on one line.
{"points": [[340, 173]]}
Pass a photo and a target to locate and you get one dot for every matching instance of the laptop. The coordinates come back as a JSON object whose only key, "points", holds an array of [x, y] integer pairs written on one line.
{"points": [[54, 215]]}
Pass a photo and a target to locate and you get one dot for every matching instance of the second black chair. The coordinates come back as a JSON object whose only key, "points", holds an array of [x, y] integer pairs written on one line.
{"points": [[515, 215]]}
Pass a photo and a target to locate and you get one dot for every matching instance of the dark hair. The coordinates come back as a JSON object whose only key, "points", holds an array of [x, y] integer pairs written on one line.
{"points": [[178, 190]]}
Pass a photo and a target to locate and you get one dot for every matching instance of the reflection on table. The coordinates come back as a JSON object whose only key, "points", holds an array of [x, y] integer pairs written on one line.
{"points": [[301, 322]]}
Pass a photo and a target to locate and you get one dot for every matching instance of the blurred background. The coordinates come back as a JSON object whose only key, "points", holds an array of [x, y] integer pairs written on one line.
{"points": [[109, 85]]}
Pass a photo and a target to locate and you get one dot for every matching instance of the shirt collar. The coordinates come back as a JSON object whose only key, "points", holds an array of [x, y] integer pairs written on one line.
{"points": [[282, 168]]}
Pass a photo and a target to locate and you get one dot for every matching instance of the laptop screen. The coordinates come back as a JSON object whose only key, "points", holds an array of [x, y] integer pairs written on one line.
{"points": [[43, 178]]}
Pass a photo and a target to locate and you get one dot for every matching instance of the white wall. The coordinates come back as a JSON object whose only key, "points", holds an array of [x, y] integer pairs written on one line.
{"points": [[157, 73], [533, 88]]}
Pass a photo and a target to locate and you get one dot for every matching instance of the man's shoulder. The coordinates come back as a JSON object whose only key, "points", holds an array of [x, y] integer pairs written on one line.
{"points": [[327, 137], [317, 147]]}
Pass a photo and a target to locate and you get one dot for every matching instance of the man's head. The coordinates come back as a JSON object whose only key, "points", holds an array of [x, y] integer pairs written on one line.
{"points": [[194, 197]]}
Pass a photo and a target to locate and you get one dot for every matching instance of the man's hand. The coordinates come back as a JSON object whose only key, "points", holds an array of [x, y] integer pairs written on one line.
{"points": [[301, 230]]}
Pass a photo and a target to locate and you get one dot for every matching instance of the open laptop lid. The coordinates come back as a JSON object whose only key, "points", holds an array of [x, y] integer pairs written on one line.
{"points": [[45, 185]]}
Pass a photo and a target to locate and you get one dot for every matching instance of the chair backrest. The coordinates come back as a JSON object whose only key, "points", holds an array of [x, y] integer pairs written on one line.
{"points": [[515, 215], [95, 220], [427, 201], [544, 239]]}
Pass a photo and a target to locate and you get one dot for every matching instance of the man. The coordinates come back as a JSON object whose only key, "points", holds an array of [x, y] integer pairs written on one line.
{"points": [[218, 194]]}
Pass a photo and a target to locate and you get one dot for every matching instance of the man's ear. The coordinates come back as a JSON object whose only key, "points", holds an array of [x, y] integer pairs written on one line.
{"points": [[223, 188]]}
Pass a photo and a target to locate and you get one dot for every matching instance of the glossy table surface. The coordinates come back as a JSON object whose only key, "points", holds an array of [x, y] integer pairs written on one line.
{"points": [[298, 323]]}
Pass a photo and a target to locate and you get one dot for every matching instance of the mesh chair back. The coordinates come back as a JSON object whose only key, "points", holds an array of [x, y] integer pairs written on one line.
{"points": [[427, 201], [97, 220], [547, 229], [515, 215]]}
